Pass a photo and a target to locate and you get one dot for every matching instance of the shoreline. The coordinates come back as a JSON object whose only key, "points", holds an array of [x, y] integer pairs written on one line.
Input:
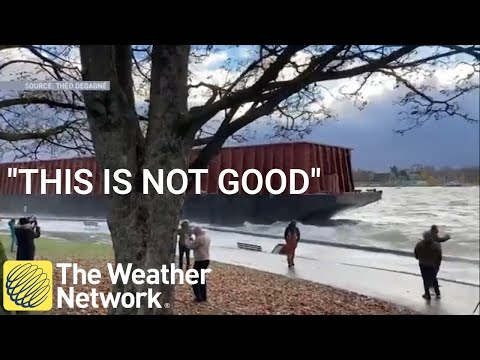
{"points": [[100, 237]]}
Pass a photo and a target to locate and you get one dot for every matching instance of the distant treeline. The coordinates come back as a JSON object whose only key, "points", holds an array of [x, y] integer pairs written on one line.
{"points": [[429, 175]]}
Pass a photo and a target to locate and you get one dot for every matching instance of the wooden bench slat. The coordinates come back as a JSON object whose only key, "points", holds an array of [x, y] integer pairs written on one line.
{"points": [[249, 246]]}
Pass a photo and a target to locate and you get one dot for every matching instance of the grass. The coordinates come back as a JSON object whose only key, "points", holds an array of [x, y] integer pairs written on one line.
{"points": [[63, 249], [58, 250]]}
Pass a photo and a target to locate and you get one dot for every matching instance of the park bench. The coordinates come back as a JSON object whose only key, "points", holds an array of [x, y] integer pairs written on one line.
{"points": [[251, 247], [91, 225]]}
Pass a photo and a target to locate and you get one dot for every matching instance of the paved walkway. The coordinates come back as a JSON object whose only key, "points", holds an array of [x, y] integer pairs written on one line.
{"points": [[361, 276]]}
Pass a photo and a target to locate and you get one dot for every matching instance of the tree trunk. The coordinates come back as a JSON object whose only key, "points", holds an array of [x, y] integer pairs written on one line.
{"points": [[143, 229], [142, 226]]}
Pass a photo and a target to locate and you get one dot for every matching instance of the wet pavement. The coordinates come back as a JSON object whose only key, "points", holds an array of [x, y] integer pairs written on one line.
{"points": [[384, 276], [357, 275]]}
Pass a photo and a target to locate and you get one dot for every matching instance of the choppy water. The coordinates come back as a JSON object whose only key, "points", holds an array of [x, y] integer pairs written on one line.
{"points": [[395, 222], [398, 220]]}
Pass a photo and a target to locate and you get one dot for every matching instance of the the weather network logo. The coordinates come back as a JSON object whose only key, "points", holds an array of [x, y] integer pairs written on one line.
{"points": [[27, 285]]}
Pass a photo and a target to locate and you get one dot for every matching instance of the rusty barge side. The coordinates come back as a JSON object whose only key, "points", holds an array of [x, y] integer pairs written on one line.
{"points": [[328, 194]]}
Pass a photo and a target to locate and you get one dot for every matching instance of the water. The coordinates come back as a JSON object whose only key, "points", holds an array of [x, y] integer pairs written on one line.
{"points": [[399, 219], [395, 222]]}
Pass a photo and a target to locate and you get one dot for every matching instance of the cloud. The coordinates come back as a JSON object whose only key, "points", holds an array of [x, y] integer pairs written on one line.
{"points": [[215, 69], [370, 132], [376, 145]]}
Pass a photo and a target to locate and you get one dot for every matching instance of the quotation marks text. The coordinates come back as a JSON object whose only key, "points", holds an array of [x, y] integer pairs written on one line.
{"points": [[315, 172], [152, 181]]}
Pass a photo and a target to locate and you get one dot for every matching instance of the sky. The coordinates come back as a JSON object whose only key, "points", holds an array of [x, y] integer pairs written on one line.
{"points": [[371, 132], [376, 146]]}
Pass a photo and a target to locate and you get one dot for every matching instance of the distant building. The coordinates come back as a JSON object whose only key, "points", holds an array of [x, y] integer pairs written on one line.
{"points": [[382, 178], [414, 177]]}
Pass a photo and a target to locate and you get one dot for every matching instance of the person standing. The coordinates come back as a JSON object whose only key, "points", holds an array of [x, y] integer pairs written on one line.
{"points": [[201, 253], [438, 239], [25, 233], [292, 237], [183, 236], [11, 225], [429, 255]]}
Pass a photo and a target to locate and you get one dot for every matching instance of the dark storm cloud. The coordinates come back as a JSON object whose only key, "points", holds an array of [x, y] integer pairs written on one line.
{"points": [[371, 133]]}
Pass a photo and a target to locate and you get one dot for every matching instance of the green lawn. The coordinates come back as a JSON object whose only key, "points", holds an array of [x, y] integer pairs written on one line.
{"points": [[62, 249], [57, 250]]}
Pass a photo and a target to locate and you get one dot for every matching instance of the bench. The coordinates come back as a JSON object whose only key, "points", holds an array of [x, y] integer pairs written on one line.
{"points": [[251, 247], [91, 225]]}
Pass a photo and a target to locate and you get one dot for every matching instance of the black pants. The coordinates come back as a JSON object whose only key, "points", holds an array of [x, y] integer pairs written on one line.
{"points": [[183, 250], [199, 289], [429, 276], [25, 252]]}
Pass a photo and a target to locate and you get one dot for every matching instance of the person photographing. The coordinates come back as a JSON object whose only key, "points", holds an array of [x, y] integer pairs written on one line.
{"points": [[429, 255], [26, 232], [439, 239]]}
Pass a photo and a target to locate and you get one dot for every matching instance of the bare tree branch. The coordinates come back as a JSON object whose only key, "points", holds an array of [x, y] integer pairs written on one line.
{"points": [[472, 50], [286, 83], [34, 135], [33, 100]]}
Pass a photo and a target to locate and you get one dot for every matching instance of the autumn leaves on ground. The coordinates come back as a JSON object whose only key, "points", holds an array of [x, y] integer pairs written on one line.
{"points": [[231, 289]]}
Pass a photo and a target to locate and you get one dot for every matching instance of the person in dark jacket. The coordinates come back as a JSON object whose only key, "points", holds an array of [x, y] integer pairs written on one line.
{"points": [[438, 239], [25, 233], [292, 227], [292, 237], [429, 255]]}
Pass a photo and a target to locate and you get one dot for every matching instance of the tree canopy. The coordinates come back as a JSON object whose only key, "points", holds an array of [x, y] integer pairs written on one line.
{"points": [[229, 88]]}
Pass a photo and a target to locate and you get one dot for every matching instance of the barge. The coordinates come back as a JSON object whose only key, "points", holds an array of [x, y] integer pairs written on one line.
{"points": [[328, 194]]}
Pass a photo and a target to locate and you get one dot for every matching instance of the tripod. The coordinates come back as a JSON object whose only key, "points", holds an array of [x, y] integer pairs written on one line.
{"points": [[476, 307]]}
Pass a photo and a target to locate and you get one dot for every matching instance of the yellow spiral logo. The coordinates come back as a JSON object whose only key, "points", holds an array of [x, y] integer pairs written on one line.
{"points": [[28, 285]]}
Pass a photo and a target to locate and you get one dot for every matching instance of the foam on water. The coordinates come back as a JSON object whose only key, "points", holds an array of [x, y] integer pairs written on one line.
{"points": [[398, 220]]}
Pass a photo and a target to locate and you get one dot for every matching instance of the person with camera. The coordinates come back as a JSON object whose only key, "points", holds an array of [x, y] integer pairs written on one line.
{"points": [[439, 239], [428, 252], [26, 232]]}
